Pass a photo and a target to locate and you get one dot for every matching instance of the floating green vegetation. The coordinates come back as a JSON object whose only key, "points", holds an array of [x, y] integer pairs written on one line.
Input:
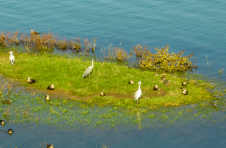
{"points": [[65, 72]]}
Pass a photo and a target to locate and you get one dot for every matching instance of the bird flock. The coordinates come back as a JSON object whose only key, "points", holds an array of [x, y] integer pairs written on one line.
{"points": [[87, 73]]}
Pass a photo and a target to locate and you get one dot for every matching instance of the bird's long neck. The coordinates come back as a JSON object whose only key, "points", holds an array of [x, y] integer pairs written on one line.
{"points": [[139, 86], [92, 63]]}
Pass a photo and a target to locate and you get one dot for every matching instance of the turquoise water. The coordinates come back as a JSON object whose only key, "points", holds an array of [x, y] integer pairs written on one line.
{"points": [[196, 26], [196, 136]]}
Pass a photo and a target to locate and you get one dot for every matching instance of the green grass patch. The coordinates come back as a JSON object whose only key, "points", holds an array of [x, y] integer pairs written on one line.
{"points": [[66, 72]]}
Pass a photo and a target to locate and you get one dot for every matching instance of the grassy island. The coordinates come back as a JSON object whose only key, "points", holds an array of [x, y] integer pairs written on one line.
{"points": [[65, 72]]}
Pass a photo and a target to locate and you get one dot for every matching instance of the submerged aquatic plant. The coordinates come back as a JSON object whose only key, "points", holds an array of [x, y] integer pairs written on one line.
{"points": [[116, 53], [220, 71]]}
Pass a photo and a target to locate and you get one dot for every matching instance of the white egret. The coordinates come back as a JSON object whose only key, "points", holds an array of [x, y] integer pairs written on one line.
{"points": [[88, 70], [137, 93], [30, 81], [50, 87], [12, 58]]}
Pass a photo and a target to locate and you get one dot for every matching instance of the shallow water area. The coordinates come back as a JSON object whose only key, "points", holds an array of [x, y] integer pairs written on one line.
{"points": [[69, 123], [187, 135]]}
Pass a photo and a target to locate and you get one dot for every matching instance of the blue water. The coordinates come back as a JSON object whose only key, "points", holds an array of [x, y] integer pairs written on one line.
{"points": [[196, 26]]}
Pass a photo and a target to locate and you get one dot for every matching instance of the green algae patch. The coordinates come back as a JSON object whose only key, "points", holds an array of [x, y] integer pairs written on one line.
{"points": [[66, 72]]}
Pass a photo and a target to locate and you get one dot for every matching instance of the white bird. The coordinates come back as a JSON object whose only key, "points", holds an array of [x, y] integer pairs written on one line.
{"points": [[137, 93], [12, 58], [88, 70]]}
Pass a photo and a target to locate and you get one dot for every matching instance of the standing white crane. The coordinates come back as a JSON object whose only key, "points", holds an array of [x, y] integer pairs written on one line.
{"points": [[88, 70], [12, 58], [137, 93]]}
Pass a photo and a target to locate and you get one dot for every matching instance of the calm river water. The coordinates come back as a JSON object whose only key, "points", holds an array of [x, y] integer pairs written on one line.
{"points": [[196, 26]]}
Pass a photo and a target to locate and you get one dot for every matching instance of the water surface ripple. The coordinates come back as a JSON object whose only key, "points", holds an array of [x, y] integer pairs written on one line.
{"points": [[196, 26]]}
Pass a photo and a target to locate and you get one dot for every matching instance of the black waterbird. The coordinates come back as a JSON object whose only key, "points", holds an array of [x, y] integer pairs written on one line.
{"points": [[166, 82], [156, 87], [50, 87], [47, 97], [184, 83], [185, 92], [49, 146], [10, 131], [30, 81], [131, 82], [8, 101], [2, 122], [102, 93]]}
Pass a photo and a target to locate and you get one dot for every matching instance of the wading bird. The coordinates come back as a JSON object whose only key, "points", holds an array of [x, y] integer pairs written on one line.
{"points": [[50, 87], [137, 93], [156, 87], [88, 70], [185, 92], [30, 81], [131, 82], [12, 58], [47, 97], [102, 93], [2, 122]]}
